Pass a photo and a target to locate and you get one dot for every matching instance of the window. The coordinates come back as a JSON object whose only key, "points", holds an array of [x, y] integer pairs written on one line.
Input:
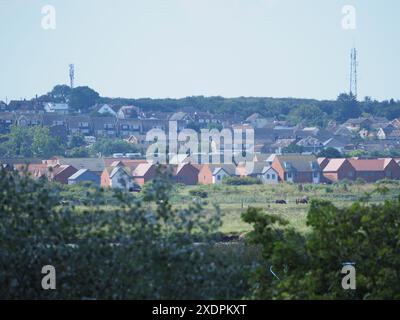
{"points": [[268, 176], [218, 177], [316, 174], [273, 176]]}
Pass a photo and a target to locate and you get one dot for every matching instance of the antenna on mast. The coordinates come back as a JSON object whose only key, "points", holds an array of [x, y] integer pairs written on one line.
{"points": [[353, 72], [72, 75]]}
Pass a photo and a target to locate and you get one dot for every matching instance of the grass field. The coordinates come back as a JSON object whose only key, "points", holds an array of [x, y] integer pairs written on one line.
{"points": [[233, 200]]}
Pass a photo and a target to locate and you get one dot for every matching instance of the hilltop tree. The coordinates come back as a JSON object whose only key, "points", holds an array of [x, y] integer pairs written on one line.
{"points": [[82, 98]]}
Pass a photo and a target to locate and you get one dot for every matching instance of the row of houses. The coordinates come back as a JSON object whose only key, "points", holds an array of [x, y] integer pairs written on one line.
{"points": [[131, 174]]}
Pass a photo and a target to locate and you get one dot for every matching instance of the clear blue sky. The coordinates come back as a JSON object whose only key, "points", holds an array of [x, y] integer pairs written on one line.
{"points": [[178, 48]]}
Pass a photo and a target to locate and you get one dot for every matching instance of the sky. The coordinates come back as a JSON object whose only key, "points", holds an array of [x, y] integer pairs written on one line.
{"points": [[179, 48]]}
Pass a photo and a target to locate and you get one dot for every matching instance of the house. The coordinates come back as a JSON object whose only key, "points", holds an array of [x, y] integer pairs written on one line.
{"points": [[58, 108], [187, 173], [3, 106], [222, 171], [34, 170], [95, 165], [79, 125], [339, 169], [128, 127], [269, 175], [219, 174], [297, 168], [6, 121], [26, 106], [372, 170], [258, 121], [310, 144], [104, 126], [117, 176], [390, 132], [61, 173], [84, 175], [335, 144], [144, 172], [128, 112], [358, 124], [107, 109], [205, 175], [29, 120]]}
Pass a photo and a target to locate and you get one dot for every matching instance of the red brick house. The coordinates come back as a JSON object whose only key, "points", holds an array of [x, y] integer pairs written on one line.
{"points": [[205, 175], [144, 172], [297, 168], [339, 169], [187, 173], [62, 173], [372, 170]]}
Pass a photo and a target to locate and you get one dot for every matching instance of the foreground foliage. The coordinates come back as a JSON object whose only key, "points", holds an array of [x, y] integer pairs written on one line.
{"points": [[309, 266], [142, 249]]}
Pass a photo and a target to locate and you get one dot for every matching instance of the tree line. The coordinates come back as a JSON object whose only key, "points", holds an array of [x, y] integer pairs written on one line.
{"points": [[296, 111]]}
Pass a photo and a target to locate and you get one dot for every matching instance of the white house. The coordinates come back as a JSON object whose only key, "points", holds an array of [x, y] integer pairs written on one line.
{"points": [[269, 175], [59, 108], [117, 177], [219, 174], [107, 109]]}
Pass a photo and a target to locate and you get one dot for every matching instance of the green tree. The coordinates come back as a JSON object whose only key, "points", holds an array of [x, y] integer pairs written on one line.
{"points": [[108, 147], [82, 98], [293, 148], [330, 153], [141, 248], [310, 115], [309, 266]]}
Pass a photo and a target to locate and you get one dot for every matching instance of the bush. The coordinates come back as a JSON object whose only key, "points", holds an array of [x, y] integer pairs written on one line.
{"points": [[310, 265], [236, 181], [139, 249], [198, 193]]}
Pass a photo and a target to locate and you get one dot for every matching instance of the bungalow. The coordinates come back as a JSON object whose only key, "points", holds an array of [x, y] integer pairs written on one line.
{"points": [[372, 170], [117, 177], [297, 168], [58, 108], [339, 169], [84, 175]]}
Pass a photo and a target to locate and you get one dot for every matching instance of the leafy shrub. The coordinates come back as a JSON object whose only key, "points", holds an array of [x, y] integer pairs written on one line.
{"points": [[245, 181], [309, 267], [199, 193], [140, 249]]}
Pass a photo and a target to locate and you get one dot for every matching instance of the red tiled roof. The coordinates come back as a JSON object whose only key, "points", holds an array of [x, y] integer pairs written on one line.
{"points": [[370, 164], [334, 165]]}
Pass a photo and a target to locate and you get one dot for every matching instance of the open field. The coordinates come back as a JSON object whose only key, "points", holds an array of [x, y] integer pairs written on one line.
{"points": [[233, 200]]}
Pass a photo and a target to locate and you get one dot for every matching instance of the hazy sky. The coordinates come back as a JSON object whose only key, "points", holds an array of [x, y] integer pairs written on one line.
{"points": [[178, 48]]}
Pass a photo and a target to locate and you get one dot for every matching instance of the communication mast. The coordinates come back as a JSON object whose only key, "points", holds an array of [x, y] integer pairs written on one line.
{"points": [[71, 75], [353, 72]]}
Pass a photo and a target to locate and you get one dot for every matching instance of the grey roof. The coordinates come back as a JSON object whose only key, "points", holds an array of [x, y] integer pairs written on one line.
{"points": [[178, 116], [78, 174], [301, 163], [92, 164]]}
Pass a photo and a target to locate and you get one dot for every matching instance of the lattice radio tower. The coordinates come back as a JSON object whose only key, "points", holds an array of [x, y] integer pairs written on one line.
{"points": [[353, 72], [71, 75]]}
